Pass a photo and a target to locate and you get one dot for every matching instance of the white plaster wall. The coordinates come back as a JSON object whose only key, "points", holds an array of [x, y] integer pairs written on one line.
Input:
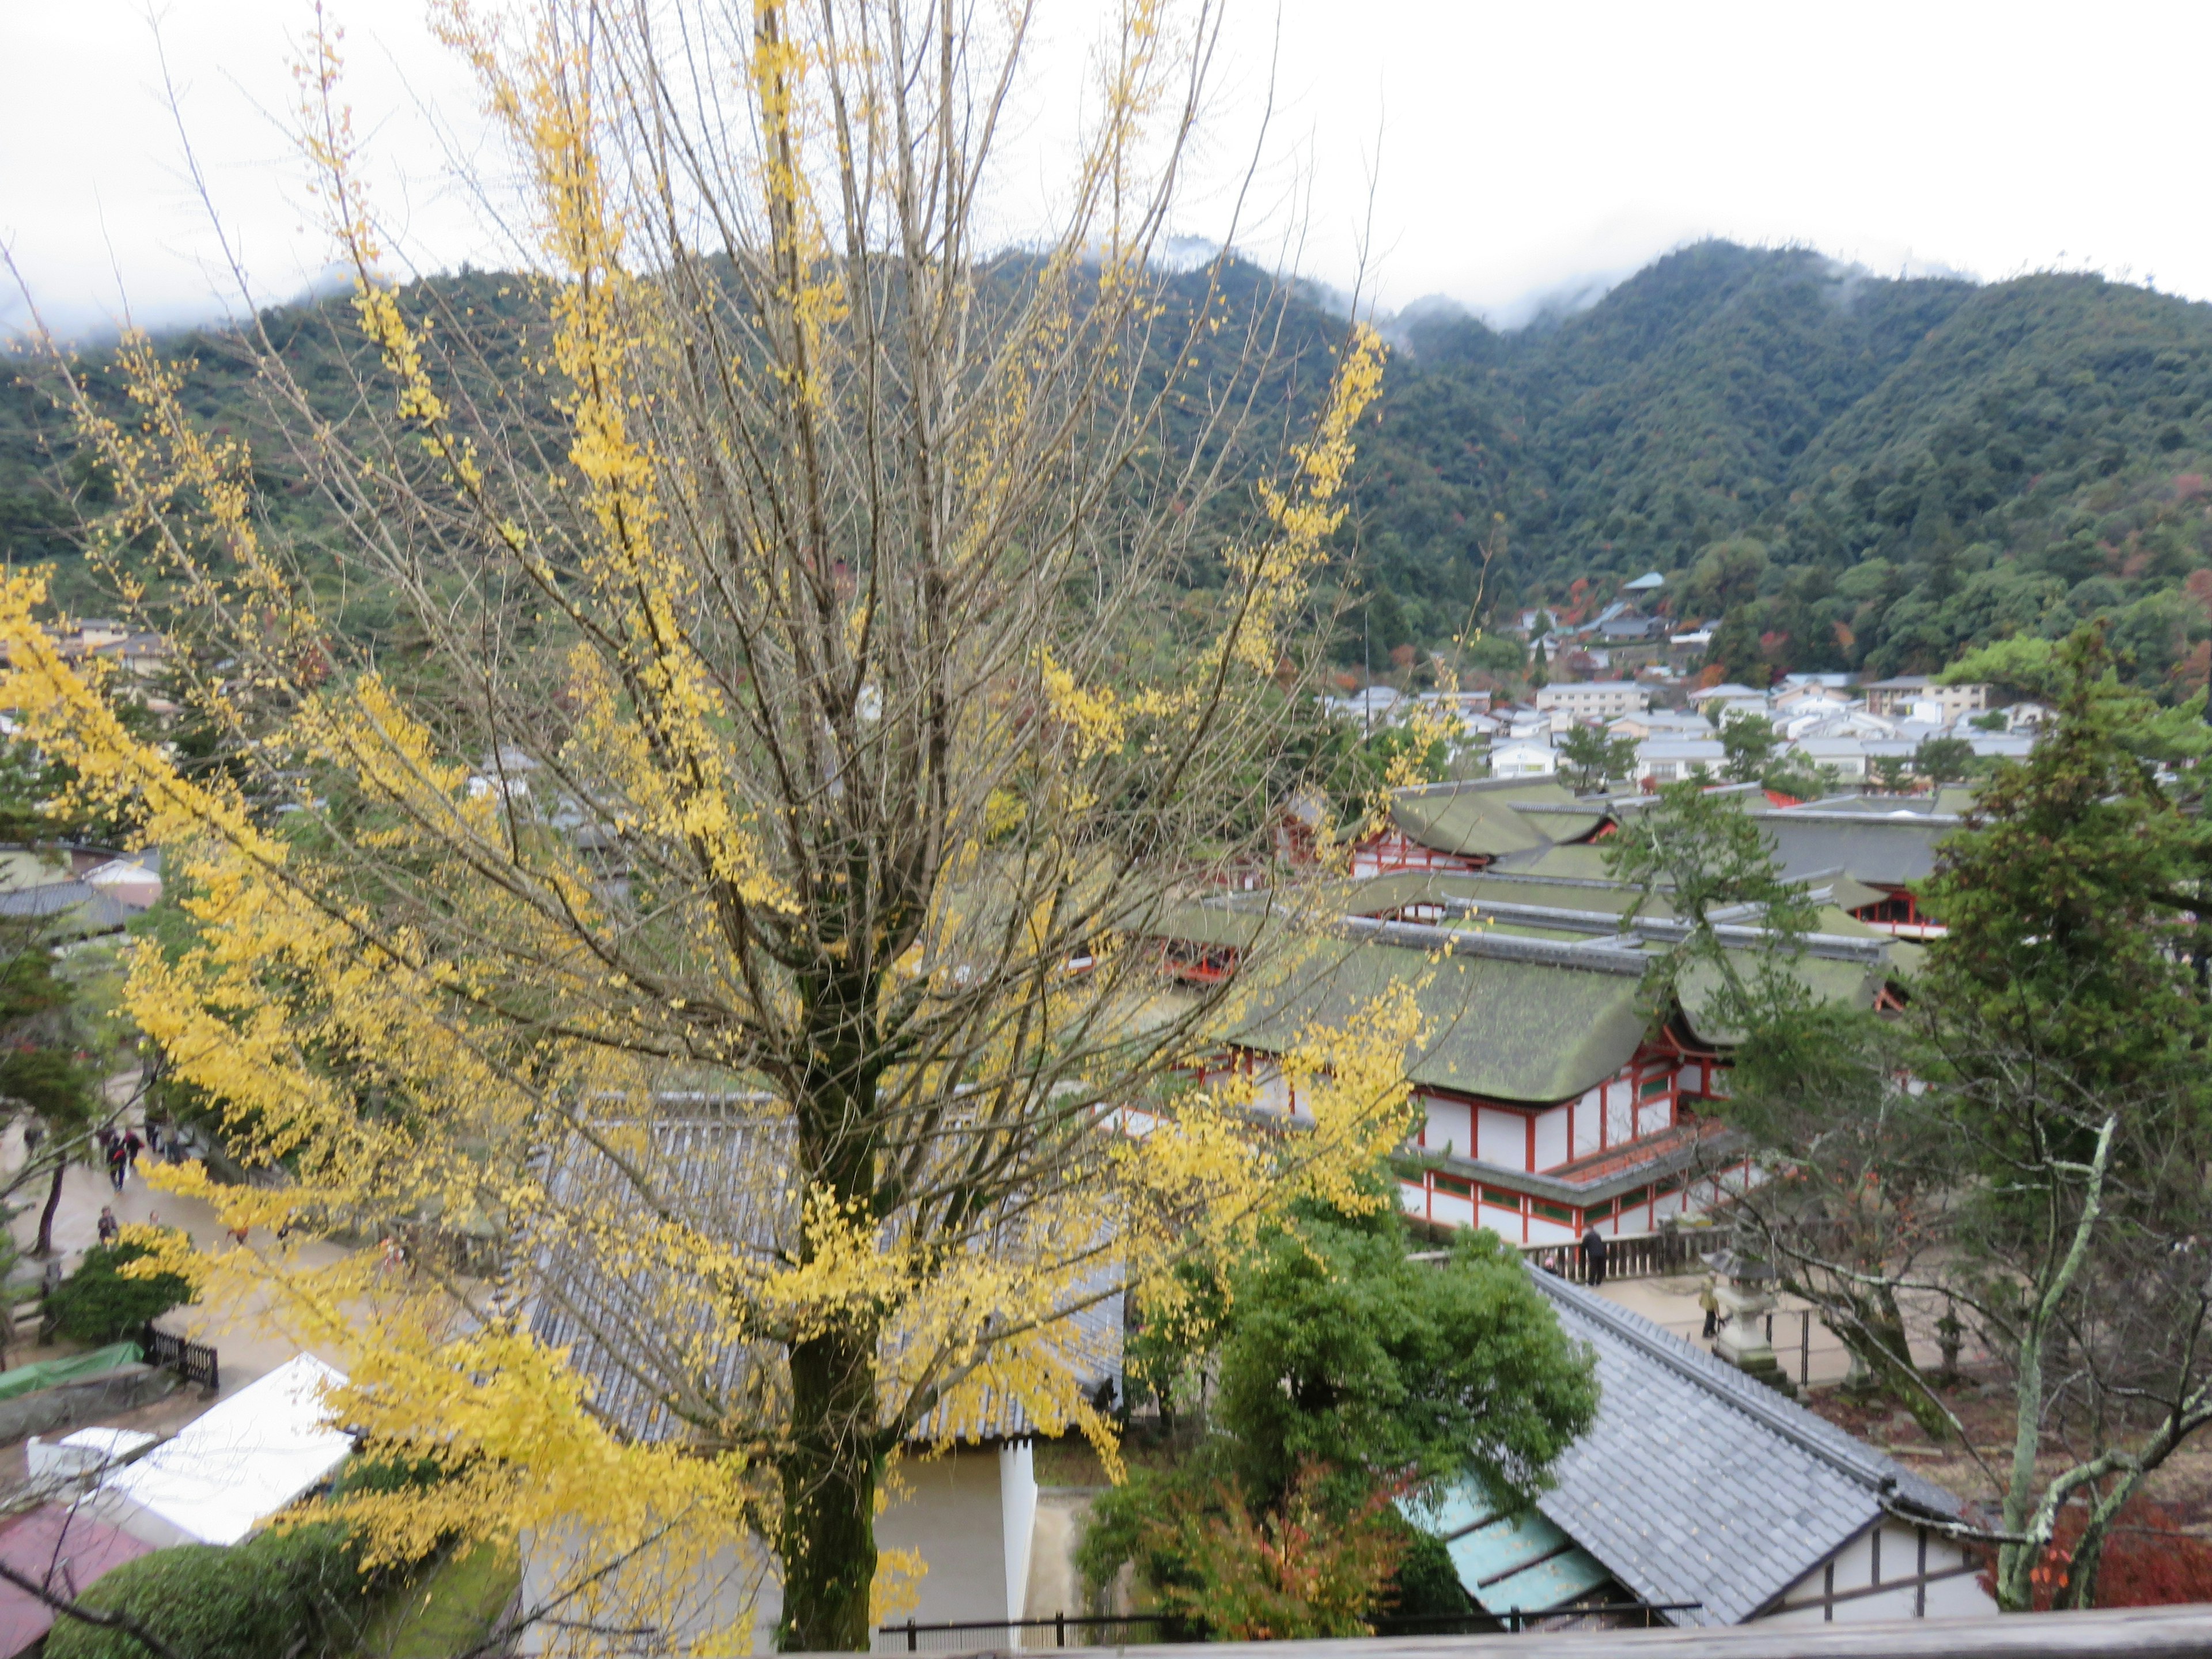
{"points": [[1855, 1566], [1588, 1110], [1017, 1502], [1619, 1113], [1505, 1222], [1504, 1138], [1413, 1200], [738, 1588], [1271, 1091], [1448, 1125], [951, 1511], [1452, 1208], [1542, 1231], [1552, 1137]]}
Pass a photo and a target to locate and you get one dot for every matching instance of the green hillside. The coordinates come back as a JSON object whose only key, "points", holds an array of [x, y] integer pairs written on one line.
{"points": [[1855, 471], [1858, 472]]}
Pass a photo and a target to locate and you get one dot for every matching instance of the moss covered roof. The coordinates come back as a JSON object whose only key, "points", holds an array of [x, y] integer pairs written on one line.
{"points": [[1511, 1031], [1482, 820]]}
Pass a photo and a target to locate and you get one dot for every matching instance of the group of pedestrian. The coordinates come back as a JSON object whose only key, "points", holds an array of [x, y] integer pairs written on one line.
{"points": [[120, 1151]]}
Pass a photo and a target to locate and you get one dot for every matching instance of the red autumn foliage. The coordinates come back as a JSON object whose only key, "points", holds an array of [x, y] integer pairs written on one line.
{"points": [[2150, 1561]]}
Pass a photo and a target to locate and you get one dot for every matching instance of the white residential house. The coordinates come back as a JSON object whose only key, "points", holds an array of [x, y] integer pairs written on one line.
{"points": [[1523, 757], [1891, 696], [1372, 706], [1834, 721], [1721, 710], [1844, 754], [1592, 700], [1806, 698], [1661, 723], [1669, 760]]}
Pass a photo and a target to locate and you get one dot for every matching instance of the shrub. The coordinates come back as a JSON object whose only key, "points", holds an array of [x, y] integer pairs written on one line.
{"points": [[97, 1304], [298, 1592], [1300, 1571], [1427, 1585], [2149, 1559]]}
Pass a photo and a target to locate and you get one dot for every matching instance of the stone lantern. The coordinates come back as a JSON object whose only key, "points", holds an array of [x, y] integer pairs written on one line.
{"points": [[1743, 1285]]}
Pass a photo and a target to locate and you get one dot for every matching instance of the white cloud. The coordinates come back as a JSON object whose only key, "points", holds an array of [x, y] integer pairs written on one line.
{"points": [[1514, 149]]}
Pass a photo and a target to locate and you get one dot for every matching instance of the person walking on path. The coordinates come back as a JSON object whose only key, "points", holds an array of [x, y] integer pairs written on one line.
{"points": [[1711, 1304], [1593, 1249], [118, 1164], [132, 1146], [109, 1226]]}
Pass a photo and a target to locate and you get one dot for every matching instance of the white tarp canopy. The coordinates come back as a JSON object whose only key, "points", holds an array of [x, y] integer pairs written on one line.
{"points": [[239, 1463]]}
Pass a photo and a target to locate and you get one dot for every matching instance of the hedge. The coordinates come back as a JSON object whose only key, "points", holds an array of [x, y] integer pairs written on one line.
{"points": [[298, 1593]]}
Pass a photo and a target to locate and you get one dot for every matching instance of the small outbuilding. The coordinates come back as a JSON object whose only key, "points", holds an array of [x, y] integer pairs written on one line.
{"points": [[1704, 1493]]}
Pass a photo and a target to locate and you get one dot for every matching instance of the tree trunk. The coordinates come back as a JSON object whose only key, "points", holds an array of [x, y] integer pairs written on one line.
{"points": [[827, 1535], [45, 1245], [828, 1532]]}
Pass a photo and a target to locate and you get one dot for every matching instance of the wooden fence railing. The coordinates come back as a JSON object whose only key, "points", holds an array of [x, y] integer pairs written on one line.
{"points": [[1646, 1255], [195, 1361]]}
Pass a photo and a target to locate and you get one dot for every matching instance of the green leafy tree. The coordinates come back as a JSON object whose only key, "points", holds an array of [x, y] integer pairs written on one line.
{"points": [[2027, 1144], [2071, 901], [1710, 863], [1890, 773], [1734, 651], [1347, 1374], [1590, 758], [100, 1302], [1943, 760], [1342, 1353], [1749, 742]]}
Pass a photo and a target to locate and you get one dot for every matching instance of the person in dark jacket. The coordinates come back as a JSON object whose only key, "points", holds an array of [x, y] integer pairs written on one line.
{"points": [[1593, 1258]]}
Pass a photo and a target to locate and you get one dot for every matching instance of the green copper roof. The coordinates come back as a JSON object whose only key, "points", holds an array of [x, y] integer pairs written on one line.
{"points": [[1480, 819], [1511, 1031]]}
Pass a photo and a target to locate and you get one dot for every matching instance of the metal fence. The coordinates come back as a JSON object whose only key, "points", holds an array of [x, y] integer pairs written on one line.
{"points": [[914, 1636], [195, 1361]]}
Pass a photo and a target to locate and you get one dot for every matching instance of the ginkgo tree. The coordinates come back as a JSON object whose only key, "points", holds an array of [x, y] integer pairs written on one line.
{"points": [[784, 707]]}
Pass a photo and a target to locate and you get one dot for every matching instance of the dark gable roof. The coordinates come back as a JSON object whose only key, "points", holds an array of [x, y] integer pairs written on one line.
{"points": [[1698, 1484], [634, 1319]]}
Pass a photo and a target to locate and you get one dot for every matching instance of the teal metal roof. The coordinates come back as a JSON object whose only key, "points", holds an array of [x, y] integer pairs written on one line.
{"points": [[1519, 1563]]}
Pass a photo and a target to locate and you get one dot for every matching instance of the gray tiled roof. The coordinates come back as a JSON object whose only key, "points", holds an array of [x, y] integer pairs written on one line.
{"points": [[1697, 1483], [82, 909], [637, 1325], [1890, 851]]}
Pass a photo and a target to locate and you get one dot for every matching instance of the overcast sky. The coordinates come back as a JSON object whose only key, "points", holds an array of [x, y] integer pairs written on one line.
{"points": [[1513, 149]]}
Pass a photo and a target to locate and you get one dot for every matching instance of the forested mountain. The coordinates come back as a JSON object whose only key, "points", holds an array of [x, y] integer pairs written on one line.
{"points": [[1855, 471]]}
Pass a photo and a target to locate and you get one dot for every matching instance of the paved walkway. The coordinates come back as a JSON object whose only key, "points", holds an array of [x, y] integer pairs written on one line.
{"points": [[246, 1342]]}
